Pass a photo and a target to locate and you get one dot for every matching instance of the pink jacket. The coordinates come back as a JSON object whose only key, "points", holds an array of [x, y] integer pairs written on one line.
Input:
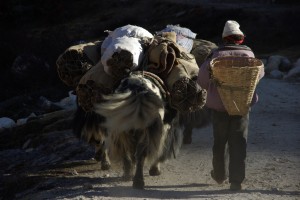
{"points": [[213, 98]]}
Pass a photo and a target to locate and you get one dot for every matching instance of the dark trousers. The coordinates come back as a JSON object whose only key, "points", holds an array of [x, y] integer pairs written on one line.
{"points": [[230, 144]]}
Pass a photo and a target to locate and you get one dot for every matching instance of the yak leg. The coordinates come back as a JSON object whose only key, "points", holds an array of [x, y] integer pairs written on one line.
{"points": [[102, 156], [138, 179], [155, 169], [127, 168], [187, 134]]}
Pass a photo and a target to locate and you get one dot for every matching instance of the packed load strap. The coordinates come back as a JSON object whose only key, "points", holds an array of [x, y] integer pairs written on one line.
{"points": [[233, 47], [157, 81]]}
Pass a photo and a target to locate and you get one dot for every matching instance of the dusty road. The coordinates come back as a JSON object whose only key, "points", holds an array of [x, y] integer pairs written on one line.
{"points": [[273, 162]]}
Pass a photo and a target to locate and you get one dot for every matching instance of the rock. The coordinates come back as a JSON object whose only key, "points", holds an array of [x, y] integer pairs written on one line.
{"points": [[68, 103], [87, 186], [297, 63], [74, 172], [26, 144], [273, 63], [264, 61], [6, 123], [276, 74], [28, 69], [285, 65], [294, 73], [47, 105], [24, 120]]}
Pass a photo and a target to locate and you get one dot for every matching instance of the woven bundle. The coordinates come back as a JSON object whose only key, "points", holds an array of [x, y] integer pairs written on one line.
{"points": [[186, 94], [92, 85], [89, 93], [236, 79], [76, 61], [162, 54]]}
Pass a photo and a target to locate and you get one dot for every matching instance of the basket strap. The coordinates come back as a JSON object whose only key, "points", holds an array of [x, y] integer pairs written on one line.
{"points": [[233, 47], [228, 48]]}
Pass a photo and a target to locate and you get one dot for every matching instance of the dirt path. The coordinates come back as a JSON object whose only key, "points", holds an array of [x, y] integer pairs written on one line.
{"points": [[273, 163]]}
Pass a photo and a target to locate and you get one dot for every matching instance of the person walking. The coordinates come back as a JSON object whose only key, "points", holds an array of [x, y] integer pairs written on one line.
{"points": [[229, 131]]}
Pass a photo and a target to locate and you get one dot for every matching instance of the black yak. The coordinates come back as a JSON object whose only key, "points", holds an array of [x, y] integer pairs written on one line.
{"points": [[191, 120]]}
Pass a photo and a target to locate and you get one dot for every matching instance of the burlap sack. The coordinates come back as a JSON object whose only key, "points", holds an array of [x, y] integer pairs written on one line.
{"points": [[92, 85], [76, 61], [162, 54], [184, 68], [186, 94], [169, 35]]}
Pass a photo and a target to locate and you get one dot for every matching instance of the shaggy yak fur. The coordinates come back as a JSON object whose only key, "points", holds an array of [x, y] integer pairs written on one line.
{"points": [[89, 127], [135, 124]]}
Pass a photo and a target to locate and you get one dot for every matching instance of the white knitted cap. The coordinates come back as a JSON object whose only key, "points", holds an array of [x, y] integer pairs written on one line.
{"points": [[231, 28]]}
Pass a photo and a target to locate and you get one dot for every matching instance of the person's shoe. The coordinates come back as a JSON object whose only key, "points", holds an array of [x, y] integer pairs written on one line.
{"points": [[212, 173], [235, 186]]}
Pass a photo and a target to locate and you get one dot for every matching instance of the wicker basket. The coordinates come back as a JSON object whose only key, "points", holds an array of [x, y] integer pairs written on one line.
{"points": [[236, 79]]}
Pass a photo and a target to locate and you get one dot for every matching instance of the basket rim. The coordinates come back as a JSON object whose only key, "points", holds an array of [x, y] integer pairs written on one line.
{"points": [[236, 58]]}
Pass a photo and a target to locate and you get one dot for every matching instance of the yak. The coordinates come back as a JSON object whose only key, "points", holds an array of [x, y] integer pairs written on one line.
{"points": [[191, 120], [89, 127], [135, 124]]}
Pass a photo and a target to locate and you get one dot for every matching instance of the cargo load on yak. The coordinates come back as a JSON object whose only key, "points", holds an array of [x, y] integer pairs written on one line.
{"points": [[122, 51], [178, 69], [75, 61], [97, 68]]}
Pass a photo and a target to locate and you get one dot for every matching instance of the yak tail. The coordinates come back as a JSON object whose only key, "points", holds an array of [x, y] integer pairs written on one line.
{"points": [[131, 109], [87, 125]]}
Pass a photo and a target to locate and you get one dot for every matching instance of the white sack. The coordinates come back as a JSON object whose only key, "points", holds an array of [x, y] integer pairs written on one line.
{"points": [[130, 44], [183, 36], [128, 30], [131, 31]]}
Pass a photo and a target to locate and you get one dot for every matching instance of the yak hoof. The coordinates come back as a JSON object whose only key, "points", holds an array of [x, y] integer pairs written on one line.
{"points": [[127, 177], [98, 157], [154, 171], [138, 184], [105, 165]]}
